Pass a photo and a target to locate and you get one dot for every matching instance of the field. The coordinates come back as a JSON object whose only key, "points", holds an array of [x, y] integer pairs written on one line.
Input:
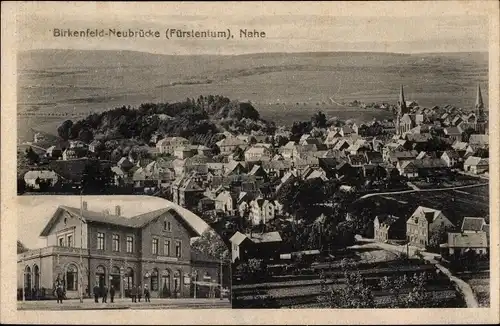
{"points": [[278, 84], [455, 204]]}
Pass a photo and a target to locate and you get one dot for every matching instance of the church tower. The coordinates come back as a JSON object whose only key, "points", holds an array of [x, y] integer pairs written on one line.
{"points": [[481, 120], [401, 110]]}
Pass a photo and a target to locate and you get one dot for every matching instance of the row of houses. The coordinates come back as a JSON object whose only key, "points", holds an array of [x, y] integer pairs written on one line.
{"points": [[425, 223]]}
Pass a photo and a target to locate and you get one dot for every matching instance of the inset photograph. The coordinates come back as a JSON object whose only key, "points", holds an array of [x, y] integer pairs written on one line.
{"points": [[117, 252]]}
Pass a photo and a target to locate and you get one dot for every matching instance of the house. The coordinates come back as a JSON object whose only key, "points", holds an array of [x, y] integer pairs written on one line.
{"points": [[185, 151], [258, 153], [235, 168], [451, 158], [187, 190], [33, 179], [476, 165], [407, 169], [262, 211], [54, 151], [169, 144], [277, 168], [431, 166], [258, 172], [228, 145], [423, 223], [197, 163], [374, 157], [74, 153], [389, 227], [473, 224], [226, 202], [288, 150], [125, 164], [260, 245], [151, 249], [95, 146], [479, 140], [453, 133], [460, 243]]}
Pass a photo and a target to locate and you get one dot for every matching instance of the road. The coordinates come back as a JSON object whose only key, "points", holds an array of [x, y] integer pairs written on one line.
{"points": [[421, 190], [89, 304], [464, 287]]}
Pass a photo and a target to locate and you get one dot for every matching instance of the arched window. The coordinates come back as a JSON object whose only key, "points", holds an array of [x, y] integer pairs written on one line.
{"points": [[36, 273], [27, 277], [154, 280], [71, 278]]}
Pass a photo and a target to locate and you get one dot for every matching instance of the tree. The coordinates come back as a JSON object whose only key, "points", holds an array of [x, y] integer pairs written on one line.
{"points": [[466, 134], [318, 120], [33, 158], [238, 154], [438, 236], [211, 244], [356, 293], [64, 129], [85, 135]]}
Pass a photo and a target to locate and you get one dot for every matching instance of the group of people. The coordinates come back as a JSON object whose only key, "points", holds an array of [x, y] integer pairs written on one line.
{"points": [[103, 293], [135, 293]]}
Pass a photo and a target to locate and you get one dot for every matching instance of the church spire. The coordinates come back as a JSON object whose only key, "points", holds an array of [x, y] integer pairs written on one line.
{"points": [[479, 98], [402, 102]]}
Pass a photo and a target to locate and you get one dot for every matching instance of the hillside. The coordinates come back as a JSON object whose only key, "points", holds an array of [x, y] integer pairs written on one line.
{"points": [[283, 86]]}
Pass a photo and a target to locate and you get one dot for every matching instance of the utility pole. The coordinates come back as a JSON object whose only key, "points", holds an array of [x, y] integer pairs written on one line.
{"points": [[195, 273], [221, 255]]}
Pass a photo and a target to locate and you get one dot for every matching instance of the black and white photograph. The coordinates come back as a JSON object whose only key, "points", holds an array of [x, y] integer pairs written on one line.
{"points": [[255, 155], [117, 252]]}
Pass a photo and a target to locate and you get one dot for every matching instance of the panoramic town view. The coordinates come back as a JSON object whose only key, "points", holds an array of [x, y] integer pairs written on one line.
{"points": [[293, 179]]}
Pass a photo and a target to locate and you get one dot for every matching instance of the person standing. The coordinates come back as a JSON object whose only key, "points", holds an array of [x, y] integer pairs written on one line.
{"points": [[133, 293], [139, 292], [104, 294], [96, 293], [112, 293], [146, 293], [59, 293]]}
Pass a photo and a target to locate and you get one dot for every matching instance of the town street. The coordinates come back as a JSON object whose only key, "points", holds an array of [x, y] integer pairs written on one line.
{"points": [[89, 304], [464, 287]]}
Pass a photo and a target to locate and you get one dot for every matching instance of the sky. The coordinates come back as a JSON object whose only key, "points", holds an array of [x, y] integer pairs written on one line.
{"points": [[35, 211], [293, 27]]}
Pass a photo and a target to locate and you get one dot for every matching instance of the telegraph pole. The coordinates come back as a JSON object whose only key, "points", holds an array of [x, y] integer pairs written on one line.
{"points": [[195, 279], [221, 255]]}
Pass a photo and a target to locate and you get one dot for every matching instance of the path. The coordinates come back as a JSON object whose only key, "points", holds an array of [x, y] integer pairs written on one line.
{"points": [[464, 287], [420, 190]]}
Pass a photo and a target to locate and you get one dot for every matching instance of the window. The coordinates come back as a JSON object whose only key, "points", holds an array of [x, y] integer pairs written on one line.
{"points": [[154, 279], [100, 241], [70, 241], [177, 248], [116, 242], [167, 226], [71, 278], [61, 242], [166, 248], [130, 244], [155, 247]]}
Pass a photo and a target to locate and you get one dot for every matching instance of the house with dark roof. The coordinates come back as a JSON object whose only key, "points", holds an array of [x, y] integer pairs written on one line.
{"points": [[423, 223], [85, 248], [389, 227], [255, 245]]}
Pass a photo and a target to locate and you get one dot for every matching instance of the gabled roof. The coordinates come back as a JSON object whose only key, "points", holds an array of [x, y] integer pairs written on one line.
{"points": [[478, 139], [474, 160], [194, 224], [473, 224], [265, 237], [238, 238], [425, 212], [387, 219]]}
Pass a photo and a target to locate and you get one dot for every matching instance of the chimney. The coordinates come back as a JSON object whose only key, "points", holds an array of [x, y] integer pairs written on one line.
{"points": [[118, 210], [84, 205]]}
